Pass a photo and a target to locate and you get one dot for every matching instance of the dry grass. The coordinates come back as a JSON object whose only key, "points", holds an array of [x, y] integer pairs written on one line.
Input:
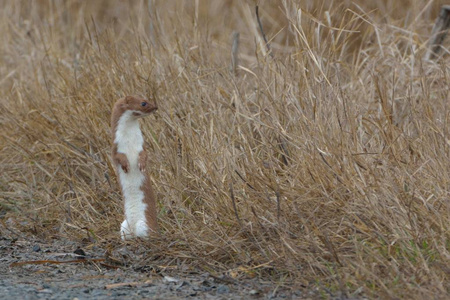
{"points": [[327, 164]]}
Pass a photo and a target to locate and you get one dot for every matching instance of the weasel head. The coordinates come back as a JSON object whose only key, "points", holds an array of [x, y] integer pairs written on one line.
{"points": [[140, 107]]}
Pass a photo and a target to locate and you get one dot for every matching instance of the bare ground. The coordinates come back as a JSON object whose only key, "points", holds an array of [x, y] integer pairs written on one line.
{"points": [[62, 269]]}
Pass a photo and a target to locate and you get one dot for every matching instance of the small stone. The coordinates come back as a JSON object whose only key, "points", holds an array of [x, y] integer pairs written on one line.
{"points": [[254, 292], [206, 286], [36, 248], [223, 289], [170, 279], [80, 252], [46, 291], [180, 285]]}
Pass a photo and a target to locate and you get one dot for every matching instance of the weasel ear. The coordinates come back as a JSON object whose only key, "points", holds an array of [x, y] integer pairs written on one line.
{"points": [[128, 99]]}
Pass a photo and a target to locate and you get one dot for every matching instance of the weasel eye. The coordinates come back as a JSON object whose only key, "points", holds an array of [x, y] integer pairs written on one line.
{"points": [[143, 103]]}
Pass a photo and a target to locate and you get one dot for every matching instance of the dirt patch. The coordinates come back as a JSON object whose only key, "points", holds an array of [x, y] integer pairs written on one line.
{"points": [[61, 269]]}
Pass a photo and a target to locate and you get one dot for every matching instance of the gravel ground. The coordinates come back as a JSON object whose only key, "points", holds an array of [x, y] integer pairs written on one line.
{"points": [[34, 270]]}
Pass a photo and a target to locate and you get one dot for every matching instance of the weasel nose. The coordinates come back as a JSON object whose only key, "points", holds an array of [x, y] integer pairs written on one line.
{"points": [[152, 107]]}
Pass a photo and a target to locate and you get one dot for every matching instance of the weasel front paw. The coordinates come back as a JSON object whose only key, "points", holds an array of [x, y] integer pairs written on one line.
{"points": [[125, 167], [122, 160]]}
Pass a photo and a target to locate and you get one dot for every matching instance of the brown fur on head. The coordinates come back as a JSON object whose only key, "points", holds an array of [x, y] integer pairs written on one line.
{"points": [[139, 105], [133, 103]]}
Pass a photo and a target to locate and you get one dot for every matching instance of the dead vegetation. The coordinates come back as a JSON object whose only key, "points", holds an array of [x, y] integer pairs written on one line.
{"points": [[321, 160]]}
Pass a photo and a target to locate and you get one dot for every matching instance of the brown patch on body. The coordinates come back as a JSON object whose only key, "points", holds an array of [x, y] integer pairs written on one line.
{"points": [[150, 200], [149, 195]]}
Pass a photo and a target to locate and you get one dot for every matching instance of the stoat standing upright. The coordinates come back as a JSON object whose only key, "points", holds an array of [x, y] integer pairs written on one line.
{"points": [[129, 157]]}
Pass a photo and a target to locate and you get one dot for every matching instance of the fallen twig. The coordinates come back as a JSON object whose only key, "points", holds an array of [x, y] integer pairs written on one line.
{"points": [[41, 262], [130, 284]]}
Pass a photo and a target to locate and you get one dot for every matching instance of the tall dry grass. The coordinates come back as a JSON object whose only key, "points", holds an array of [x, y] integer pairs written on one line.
{"points": [[324, 162]]}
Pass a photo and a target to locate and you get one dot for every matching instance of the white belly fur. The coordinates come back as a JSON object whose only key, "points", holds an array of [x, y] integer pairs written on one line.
{"points": [[130, 142]]}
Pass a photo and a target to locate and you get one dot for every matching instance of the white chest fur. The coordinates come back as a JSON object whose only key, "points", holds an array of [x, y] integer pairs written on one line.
{"points": [[130, 142]]}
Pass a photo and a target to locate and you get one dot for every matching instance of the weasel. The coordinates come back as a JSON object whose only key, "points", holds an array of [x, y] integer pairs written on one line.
{"points": [[130, 157]]}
